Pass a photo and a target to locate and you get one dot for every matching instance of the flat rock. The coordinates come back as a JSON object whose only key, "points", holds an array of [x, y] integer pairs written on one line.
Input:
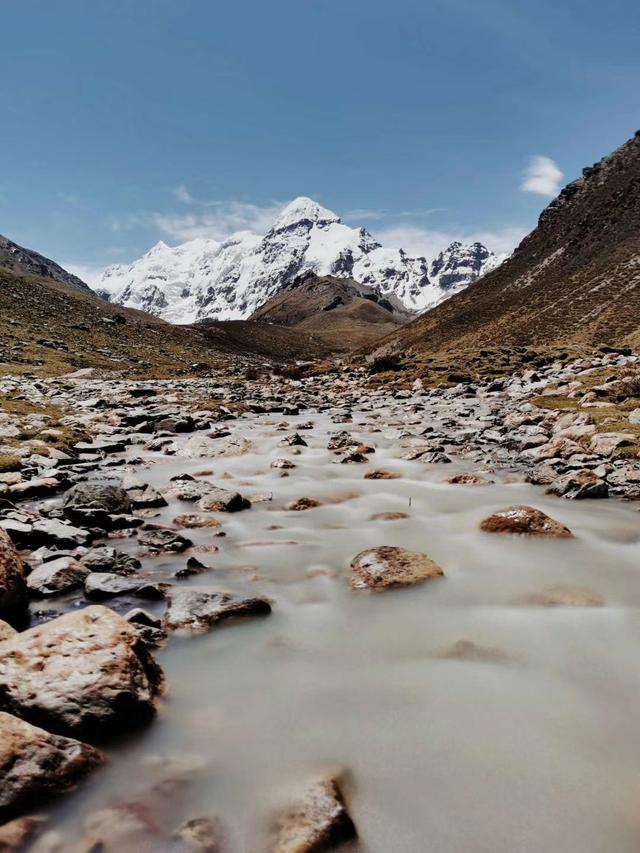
{"points": [[99, 586], [163, 539], [86, 673], [35, 764], [104, 558], [525, 520], [223, 500], [388, 566], [198, 610], [57, 576], [577, 485], [112, 500], [13, 588], [193, 520], [468, 479], [317, 821]]}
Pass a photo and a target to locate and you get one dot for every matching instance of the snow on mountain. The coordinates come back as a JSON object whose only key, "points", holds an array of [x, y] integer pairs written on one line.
{"points": [[229, 280]]}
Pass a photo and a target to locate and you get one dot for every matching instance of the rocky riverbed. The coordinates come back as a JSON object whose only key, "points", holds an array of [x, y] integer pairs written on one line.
{"points": [[272, 614]]}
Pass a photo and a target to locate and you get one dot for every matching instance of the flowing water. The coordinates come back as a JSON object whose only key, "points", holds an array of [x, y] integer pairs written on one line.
{"points": [[532, 748]]}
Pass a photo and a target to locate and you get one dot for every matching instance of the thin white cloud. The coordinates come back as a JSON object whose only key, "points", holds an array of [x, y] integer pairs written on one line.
{"points": [[542, 176], [428, 242], [218, 221], [89, 273]]}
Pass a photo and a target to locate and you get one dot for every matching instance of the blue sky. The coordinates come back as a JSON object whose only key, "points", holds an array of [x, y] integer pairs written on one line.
{"points": [[128, 121]]}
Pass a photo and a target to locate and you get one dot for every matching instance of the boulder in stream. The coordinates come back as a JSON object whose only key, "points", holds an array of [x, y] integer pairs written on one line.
{"points": [[35, 764], [86, 673], [388, 566], [319, 820], [525, 520], [197, 610]]}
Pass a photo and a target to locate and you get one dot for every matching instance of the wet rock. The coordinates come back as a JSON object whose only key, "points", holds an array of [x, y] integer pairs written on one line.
{"points": [[13, 589], [193, 520], [112, 500], [351, 458], [293, 440], [318, 821], [202, 447], [37, 487], [86, 673], [340, 441], [564, 596], [141, 494], [527, 521], [577, 485], [19, 833], [223, 500], [468, 479], [200, 835], [99, 586], [286, 464], [388, 516], [35, 764], [123, 828], [380, 474], [57, 576], [302, 504], [163, 539], [198, 610], [388, 566], [104, 558]]}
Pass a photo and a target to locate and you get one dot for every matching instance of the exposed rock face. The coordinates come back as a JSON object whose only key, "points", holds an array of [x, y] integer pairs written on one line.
{"points": [[318, 821], [86, 673], [527, 521], [13, 589], [387, 566], [35, 764], [198, 610]]}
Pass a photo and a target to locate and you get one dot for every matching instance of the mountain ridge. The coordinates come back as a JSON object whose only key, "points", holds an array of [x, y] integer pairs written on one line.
{"points": [[207, 279], [17, 259]]}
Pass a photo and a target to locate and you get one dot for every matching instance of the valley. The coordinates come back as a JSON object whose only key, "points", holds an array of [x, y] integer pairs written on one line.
{"points": [[290, 565]]}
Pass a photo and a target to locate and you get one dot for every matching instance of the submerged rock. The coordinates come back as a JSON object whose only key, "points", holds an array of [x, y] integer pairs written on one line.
{"points": [[163, 539], [564, 596], [468, 479], [200, 835], [35, 764], [387, 566], [318, 821], [302, 504], [525, 520], [197, 610], [86, 673]]}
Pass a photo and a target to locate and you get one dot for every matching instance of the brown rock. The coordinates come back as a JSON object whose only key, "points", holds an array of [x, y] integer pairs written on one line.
{"points": [[525, 520], [468, 479], [470, 650], [13, 588], [380, 474], [6, 631], [318, 821], [193, 520], [201, 835], [386, 566], [301, 504], [36, 764], [18, 833], [86, 673], [388, 516]]}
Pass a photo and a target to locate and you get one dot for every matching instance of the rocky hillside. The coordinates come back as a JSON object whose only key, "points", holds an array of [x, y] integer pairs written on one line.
{"points": [[17, 259], [574, 281], [205, 279], [48, 328], [340, 313]]}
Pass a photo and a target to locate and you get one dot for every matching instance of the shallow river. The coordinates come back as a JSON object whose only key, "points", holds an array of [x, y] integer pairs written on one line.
{"points": [[533, 749]]}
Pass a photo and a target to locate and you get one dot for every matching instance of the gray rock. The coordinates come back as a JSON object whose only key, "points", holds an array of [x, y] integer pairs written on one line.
{"points": [[57, 576], [198, 610]]}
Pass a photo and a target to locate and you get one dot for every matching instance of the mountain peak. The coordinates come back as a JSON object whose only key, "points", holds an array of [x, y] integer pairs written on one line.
{"points": [[304, 209]]}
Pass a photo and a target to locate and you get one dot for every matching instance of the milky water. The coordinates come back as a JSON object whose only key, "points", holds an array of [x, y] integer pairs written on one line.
{"points": [[534, 749]]}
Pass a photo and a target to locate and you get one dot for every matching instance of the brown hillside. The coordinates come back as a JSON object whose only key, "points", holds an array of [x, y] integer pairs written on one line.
{"points": [[574, 281]]}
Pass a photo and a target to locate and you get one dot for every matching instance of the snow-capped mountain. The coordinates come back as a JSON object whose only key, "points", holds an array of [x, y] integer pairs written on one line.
{"points": [[229, 280]]}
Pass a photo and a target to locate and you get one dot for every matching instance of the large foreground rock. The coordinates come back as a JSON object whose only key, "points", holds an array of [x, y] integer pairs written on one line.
{"points": [[95, 496], [86, 673], [36, 764], [387, 566], [525, 520], [13, 589], [318, 821]]}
